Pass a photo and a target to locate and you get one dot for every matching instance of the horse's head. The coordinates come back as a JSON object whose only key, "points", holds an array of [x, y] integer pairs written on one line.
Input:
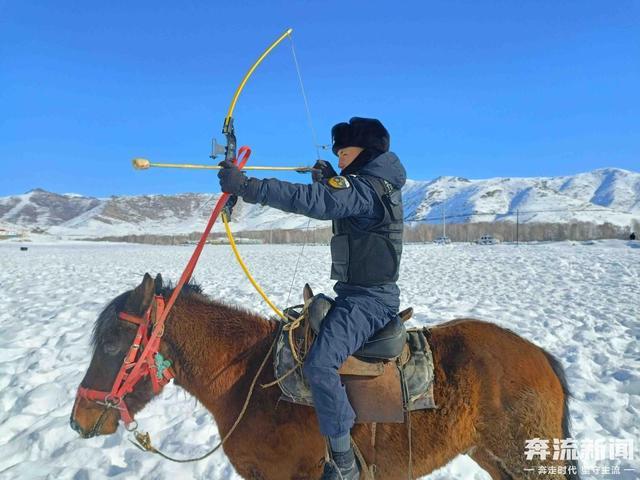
{"points": [[106, 394]]}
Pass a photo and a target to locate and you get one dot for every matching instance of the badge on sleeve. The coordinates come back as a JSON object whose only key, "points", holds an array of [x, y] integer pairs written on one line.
{"points": [[339, 182]]}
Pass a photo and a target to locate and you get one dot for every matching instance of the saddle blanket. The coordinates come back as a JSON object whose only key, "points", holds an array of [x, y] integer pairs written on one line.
{"points": [[416, 374]]}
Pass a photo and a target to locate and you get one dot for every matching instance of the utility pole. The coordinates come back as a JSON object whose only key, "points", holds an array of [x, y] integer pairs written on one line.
{"points": [[517, 227], [444, 223]]}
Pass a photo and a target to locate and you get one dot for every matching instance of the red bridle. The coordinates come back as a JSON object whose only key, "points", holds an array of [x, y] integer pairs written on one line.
{"points": [[139, 362]]}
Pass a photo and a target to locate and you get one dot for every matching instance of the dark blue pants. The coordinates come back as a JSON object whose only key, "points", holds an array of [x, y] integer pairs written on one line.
{"points": [[349, 324]]}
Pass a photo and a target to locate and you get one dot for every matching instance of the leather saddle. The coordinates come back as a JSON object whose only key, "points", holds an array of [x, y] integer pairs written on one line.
{"points": [[390, 374], [372, 375], [385, 344]]}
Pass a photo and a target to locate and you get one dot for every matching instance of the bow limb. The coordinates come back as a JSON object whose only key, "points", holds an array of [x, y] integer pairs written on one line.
{"points": [[227, 127], [245, 269]]}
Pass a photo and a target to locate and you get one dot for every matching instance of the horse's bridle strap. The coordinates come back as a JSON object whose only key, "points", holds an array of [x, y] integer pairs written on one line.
{"points": [[137, 363], [131, 318]]}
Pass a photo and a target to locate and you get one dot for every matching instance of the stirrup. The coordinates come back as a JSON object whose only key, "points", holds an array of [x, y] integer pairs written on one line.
{"points": [[330, 462]]}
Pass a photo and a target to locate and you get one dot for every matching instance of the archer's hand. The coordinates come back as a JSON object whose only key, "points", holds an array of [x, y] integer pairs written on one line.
{"points": [[232, 179], [322, 170]]}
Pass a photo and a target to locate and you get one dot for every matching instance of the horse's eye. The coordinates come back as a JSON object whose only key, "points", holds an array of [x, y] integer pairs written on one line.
{"points": [[111, 348]]}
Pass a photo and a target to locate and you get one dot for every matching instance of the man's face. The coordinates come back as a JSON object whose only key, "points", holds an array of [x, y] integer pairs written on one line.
{"points": [[347, 155]]}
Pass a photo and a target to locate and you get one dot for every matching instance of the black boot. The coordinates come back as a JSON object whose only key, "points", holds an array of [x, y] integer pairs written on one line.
{"points": [[342, 466]]}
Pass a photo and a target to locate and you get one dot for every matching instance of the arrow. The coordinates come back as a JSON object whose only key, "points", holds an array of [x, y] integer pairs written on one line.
{"points": [[144, 164]]}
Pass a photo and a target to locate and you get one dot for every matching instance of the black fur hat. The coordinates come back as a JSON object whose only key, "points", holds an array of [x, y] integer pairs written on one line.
{"points": [[368, 133]]}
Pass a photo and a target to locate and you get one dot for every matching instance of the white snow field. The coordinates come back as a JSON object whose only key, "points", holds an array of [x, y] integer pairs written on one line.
{"points": [[581, 302]]}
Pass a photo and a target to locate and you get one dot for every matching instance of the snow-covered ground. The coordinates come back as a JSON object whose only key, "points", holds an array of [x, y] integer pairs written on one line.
{"points": [[580, 302]]}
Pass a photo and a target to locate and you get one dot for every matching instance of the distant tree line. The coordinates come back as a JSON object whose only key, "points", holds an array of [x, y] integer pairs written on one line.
{"points": [[512, 232], [311, 236], [415, 233]]}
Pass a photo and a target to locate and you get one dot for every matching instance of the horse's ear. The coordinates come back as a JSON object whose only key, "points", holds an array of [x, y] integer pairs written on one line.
{"points": [[307, 293], [158, 284], [141, 297], [406, 314]]}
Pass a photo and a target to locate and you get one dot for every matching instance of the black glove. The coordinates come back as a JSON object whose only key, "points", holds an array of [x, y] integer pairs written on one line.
{"points": [[232, 179], [321, 170]]}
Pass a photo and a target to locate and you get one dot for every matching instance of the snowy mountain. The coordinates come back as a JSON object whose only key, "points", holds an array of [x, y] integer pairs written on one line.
{"points": [[74, 215], [39, 208], [604, 195]]}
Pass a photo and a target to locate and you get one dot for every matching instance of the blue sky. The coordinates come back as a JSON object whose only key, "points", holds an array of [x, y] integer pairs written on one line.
{"points": [[470, 88]]}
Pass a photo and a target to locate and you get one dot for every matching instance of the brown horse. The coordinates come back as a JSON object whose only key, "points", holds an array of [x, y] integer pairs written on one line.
{"points": [[494, 391]]}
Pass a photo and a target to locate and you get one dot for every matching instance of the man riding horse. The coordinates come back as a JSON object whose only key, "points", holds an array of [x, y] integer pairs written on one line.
{"points": [[364, 204]]}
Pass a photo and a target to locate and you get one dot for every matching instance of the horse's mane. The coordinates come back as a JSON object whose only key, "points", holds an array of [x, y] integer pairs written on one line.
{"points": [[108, 319]]}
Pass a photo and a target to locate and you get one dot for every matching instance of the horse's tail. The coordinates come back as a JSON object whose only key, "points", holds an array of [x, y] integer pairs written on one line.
{"points": [[566, 419]]}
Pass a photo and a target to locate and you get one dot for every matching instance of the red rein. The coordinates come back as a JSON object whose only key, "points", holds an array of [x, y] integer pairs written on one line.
{"points": [[140, 361]]}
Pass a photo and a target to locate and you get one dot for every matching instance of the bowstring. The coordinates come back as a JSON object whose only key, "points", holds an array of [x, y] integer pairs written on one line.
{"points": [[316, 146], [314, 135]]}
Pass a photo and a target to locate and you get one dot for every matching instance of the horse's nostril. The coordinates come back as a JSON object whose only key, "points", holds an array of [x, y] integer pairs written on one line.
{"points": [[74, 425]]}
